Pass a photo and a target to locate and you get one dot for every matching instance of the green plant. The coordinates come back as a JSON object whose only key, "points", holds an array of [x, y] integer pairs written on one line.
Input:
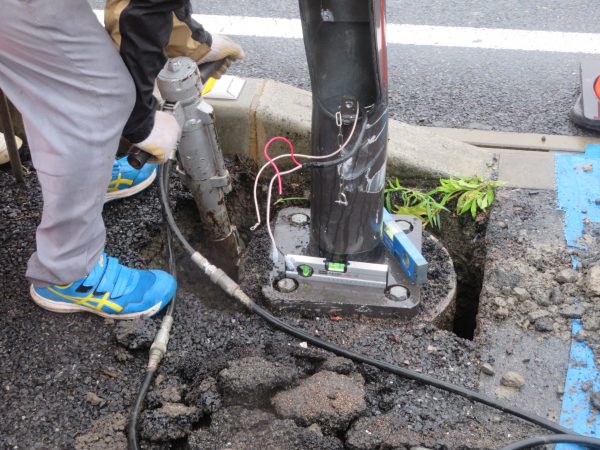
{"points": [[414, 203], [472, 194], [288, 199]]}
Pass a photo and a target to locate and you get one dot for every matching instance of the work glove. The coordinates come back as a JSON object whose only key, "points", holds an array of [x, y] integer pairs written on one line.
{"points": [[222, 48], [163, 139]]}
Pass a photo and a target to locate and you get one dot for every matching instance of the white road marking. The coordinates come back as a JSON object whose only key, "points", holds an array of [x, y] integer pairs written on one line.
{"points": [[405, 34]]}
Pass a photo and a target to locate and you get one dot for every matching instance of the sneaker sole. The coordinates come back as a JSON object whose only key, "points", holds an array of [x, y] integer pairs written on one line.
{"points": [[123, 193], [62, 307]]}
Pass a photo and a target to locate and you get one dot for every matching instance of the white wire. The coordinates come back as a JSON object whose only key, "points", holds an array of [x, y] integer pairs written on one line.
{"points": [[297, 155], [275, 250]]}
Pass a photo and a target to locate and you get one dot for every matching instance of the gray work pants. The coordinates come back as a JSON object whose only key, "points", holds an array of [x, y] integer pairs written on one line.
{"points": [[61, 70]]}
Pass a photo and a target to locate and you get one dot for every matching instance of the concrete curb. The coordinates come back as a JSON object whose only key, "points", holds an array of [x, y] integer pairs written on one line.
{"points": [[268, 108]]}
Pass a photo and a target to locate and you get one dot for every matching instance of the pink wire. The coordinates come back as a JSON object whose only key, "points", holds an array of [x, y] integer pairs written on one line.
{"points": [[270, 160]]}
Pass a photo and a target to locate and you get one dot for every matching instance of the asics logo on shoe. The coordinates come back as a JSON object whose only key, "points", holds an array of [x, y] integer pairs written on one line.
{"points": [[89, 300]]}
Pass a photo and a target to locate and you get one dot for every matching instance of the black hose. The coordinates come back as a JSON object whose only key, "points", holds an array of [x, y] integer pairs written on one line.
{"points": [[407, 373], [132, 440], [589, 442], [343, 158]]}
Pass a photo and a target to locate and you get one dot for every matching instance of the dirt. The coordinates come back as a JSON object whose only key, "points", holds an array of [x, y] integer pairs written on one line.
{"points": [[530, 280], [51, 361]]}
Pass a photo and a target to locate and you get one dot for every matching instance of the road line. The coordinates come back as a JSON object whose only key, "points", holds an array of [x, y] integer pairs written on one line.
{"points": [[405, 34]]}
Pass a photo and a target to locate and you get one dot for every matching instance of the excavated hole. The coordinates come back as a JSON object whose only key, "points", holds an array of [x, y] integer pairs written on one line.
{"points": [[433, 348], [461, 236]]}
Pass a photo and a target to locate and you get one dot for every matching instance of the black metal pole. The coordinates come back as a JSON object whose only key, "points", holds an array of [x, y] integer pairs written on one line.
{"points": [[9, 137], [346, 54]]}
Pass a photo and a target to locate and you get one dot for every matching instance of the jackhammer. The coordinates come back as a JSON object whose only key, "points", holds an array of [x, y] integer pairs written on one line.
{"points": [[199, 157]]}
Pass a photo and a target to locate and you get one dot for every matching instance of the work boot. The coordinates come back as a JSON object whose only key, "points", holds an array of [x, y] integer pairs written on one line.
{"points": [[127, 181], [110, 290], [223, 52]]}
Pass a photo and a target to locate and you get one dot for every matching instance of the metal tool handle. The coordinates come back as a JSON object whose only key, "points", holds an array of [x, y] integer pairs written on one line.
{"points": [[137, 157]]}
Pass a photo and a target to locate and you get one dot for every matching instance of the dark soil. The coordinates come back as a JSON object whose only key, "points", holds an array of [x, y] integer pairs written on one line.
{"points": [[68, 383]]}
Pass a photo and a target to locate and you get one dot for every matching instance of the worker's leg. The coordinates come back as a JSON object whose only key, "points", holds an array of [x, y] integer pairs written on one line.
{"points": [[60, 69]]}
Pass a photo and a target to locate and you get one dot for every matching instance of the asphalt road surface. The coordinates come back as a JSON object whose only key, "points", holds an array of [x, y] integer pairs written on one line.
{"points": [[491, 89]]}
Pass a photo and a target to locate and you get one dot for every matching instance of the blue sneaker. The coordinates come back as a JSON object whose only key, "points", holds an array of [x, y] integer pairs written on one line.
{"points": [[110, 290], [127, 181]]}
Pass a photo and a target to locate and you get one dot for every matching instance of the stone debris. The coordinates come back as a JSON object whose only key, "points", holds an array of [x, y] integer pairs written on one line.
{"points": [[136, 334], [171, 421], [205, 396], [595, 400], [513, 380], [94, 400], [521, 293], [556, 296], [488, 369], [572, 311], [543, 325], [339, 364], [327, 398], [105, 433], [567, 276], [537, 314], [243, 429], [592, 281], [253, 378]]}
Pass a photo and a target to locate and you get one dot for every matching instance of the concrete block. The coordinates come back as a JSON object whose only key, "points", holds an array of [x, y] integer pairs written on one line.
{"points": [[531, 170], [235, 120], [283, 111], [417, 152]]}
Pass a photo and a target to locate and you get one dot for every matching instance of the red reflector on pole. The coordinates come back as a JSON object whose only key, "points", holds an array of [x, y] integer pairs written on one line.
{"points": [[597, 87]]}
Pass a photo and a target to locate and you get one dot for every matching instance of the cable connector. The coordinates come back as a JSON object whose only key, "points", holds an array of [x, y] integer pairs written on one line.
{"points": [[159, 346]]}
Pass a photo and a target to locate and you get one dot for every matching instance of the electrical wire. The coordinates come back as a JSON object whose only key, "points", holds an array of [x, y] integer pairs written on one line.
{"points": [[272, 163], [299, 155], [344, 158], [221, 279], [275, 247], [589, 442], [155, 355]]}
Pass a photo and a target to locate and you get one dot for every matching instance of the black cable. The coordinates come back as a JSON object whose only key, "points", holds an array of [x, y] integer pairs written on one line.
{"points": [[164, 200], [135, 411], [407, 373], [132, 440], [343, 158], [163, 181], [589, 442]]}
